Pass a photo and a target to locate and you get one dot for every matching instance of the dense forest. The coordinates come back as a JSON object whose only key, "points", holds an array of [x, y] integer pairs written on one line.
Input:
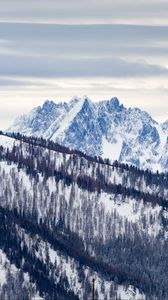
{"points": [[63, 210]]}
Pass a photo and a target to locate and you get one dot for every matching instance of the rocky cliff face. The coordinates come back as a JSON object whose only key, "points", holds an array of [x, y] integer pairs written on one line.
{"points": [[106, 129]]}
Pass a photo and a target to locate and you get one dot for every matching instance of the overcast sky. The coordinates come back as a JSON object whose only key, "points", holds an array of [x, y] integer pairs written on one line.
{"points": [[52, 49]]}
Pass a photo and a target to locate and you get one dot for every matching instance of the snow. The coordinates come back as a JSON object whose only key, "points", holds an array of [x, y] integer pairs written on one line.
{"points": [[7, 142], [162, 135], [108, 204], [68, 266], [4, 263], [110, 150], [68, 119], [128, 209], [3, 260], [23, 177], [80, 207], [107, 127]]}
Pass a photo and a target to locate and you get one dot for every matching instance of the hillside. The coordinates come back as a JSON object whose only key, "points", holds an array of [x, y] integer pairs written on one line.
{"points": [[67, 218]]}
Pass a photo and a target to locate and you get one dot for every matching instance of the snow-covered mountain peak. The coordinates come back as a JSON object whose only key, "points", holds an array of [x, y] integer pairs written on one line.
{"points": [[114, 101], [57, 130], [87, 103], [73, 101], [104, 128], [138, 114], [48, 104], [85, 98]]}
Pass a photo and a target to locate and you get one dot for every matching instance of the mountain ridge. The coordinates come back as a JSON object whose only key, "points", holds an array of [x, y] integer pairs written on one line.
{"points": [[106, 128], [73, 218]]}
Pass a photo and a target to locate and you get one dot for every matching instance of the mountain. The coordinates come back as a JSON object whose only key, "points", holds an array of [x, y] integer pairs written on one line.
{"points": [[66, 218], [106, 129]]}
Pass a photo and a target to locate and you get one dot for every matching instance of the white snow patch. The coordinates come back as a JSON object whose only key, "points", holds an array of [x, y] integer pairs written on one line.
{"points": [[64, 125], [7, 142], [110, 150], [3, 267]]}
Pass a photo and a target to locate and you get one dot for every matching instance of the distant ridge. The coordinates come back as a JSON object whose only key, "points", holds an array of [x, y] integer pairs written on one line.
{"points": [[104, 128]]}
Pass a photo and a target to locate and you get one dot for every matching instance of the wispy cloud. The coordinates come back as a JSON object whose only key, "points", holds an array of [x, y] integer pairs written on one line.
{"points": [[40, 59], [60, 68], [83, 51], [86, 12]]}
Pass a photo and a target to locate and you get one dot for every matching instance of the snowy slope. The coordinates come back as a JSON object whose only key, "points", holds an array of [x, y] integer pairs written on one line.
{"points": [[59, 191], [8, 270], [104, 128], [62, 123], [7, 142], [69, 268]]}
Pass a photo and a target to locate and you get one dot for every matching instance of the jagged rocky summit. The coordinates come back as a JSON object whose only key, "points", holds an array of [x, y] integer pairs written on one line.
{"points": [[104, 128]]}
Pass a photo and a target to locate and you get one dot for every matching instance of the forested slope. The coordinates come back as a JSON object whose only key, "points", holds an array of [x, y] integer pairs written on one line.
{"points": [[74, 217]]}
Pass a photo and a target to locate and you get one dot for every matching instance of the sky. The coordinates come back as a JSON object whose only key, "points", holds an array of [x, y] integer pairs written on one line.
{"points": [[52, 49]]}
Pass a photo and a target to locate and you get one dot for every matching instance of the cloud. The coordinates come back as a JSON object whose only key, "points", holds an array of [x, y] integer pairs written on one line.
{"points": [[40, 59], [149, 94], [60, 68], [34, 50], [84, 41], [15, 82], [65, 11]]}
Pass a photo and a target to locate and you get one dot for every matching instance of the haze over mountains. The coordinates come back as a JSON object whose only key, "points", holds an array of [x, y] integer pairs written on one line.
{"points": [[104, 128]]}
